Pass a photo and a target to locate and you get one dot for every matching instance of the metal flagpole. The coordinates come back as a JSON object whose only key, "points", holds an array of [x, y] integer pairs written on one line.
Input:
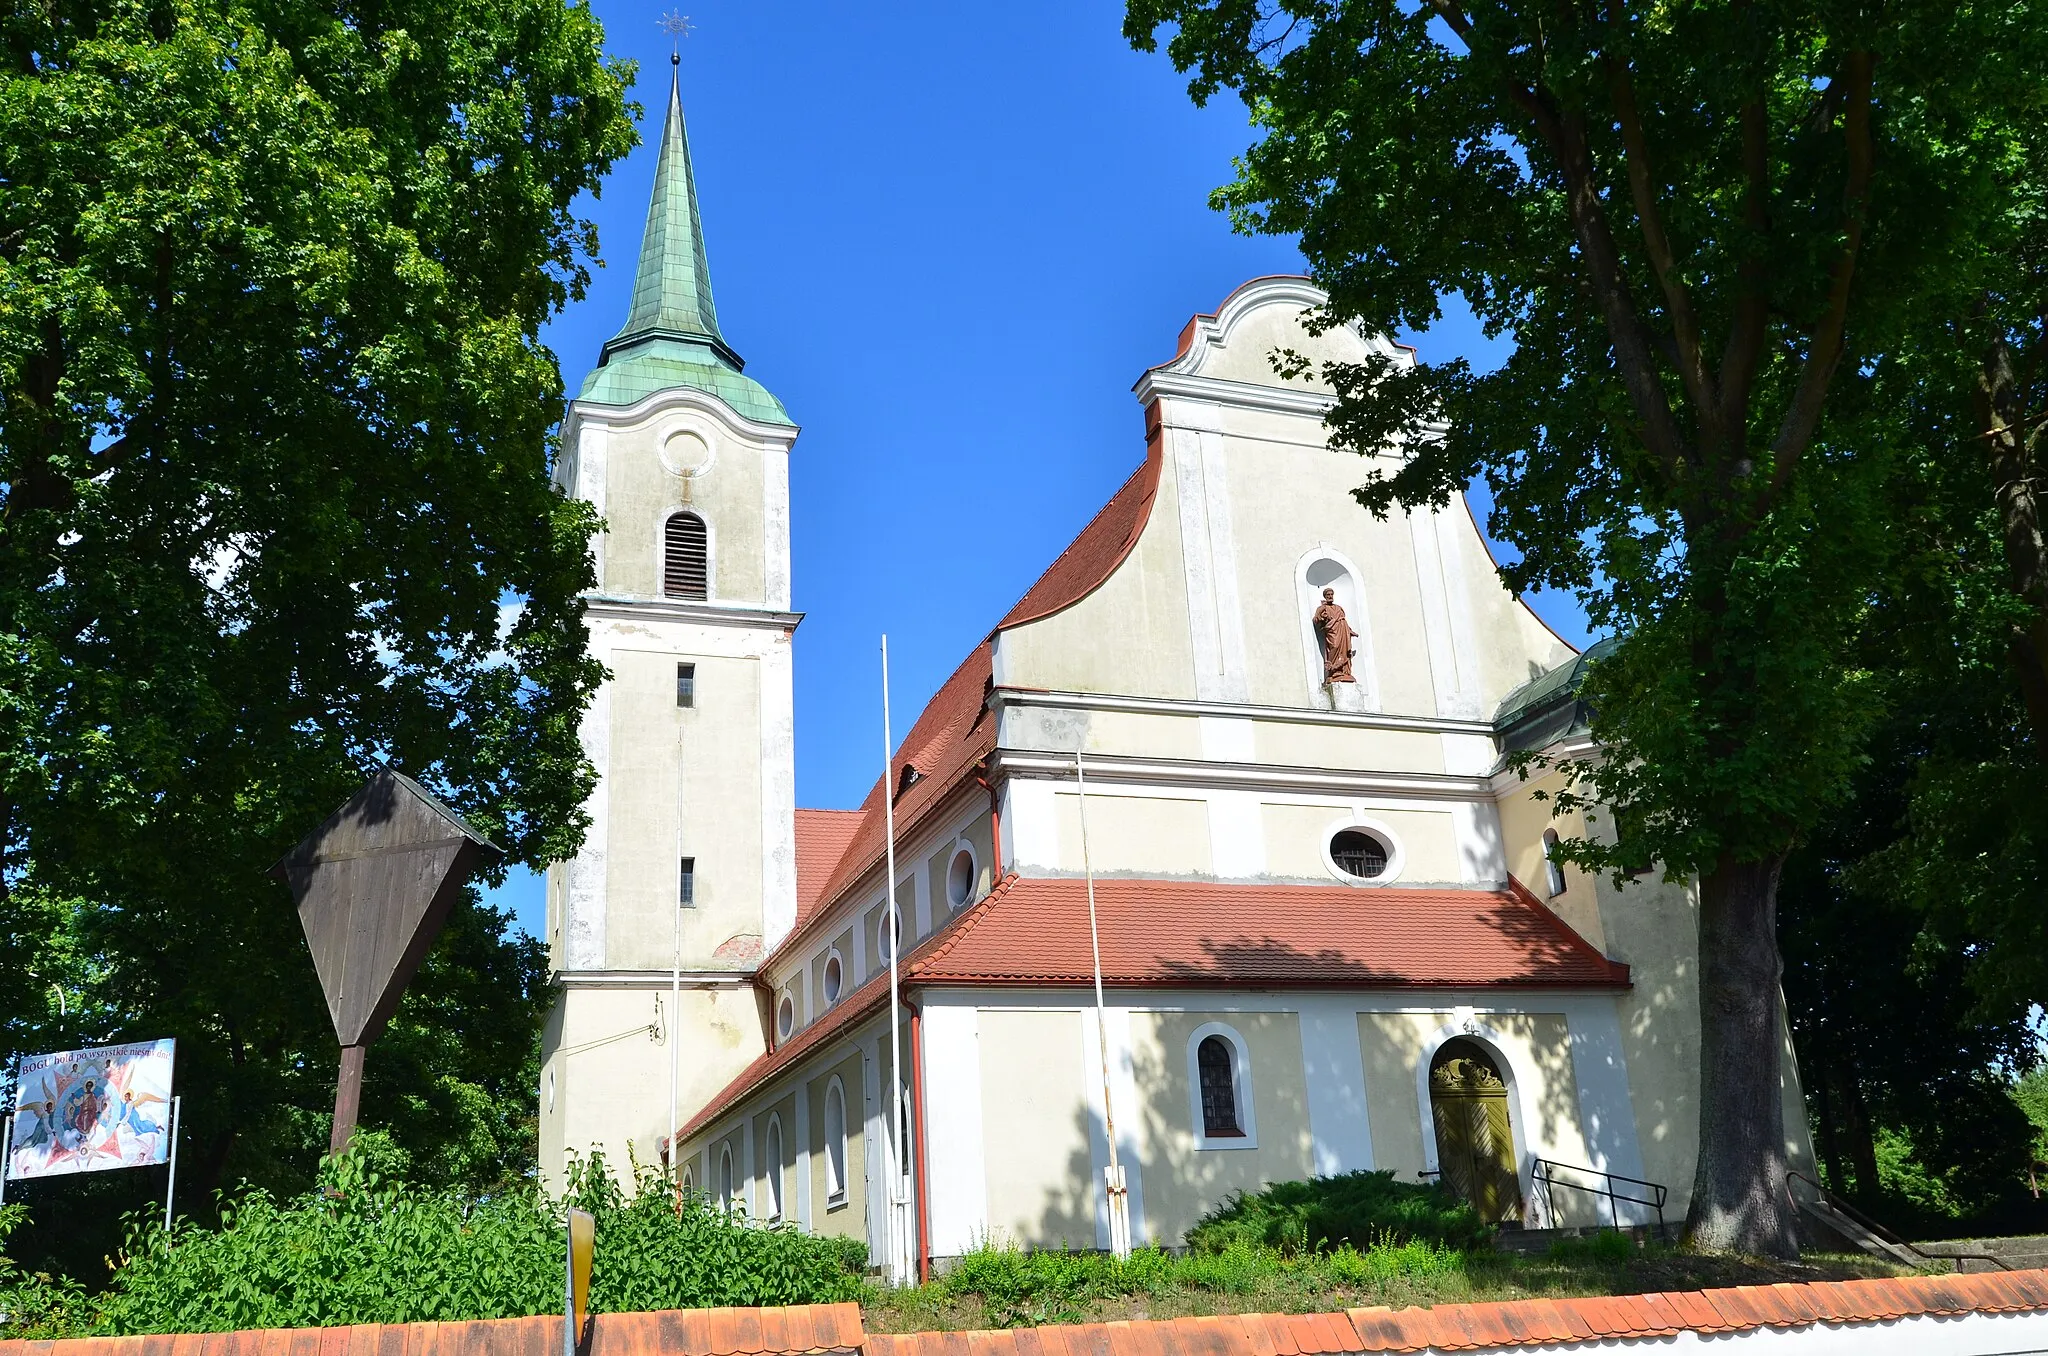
{"points": [[672, 1028], [899, 1262], [171, 1182], [1113, 1175]]}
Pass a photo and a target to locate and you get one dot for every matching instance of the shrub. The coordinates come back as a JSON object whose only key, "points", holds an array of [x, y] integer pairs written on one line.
{"points": [[36, 1306], [1362, 1209], [362, 1249]]}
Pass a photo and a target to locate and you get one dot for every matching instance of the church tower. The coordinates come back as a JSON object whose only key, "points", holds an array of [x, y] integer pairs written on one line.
{"points": [[689, 861]]}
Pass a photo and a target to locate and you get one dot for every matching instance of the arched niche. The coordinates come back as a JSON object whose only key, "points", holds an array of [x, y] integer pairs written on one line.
{"points": [[1327, 567]]}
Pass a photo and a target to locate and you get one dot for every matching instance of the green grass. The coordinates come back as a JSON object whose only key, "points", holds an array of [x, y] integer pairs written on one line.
{"points": [[999, 1286]]}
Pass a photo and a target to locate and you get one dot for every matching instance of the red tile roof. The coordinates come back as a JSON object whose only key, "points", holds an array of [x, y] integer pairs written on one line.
{"points": [[1169, 932], [1196, 934], [1093, 556], [955, 731], [953, 734], [821, 839], [811, 1330]]}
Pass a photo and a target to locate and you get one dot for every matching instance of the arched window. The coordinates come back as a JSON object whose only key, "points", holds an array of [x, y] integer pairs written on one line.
{"points": [[1215, 1059], [1219, 1089], [725, 1177], [1551, 867], [689, 1182], [835, 1144], [685, 557], [774, 1169]]}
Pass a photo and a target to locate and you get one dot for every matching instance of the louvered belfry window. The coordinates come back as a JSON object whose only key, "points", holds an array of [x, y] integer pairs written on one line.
{"points": [[685, 558]]}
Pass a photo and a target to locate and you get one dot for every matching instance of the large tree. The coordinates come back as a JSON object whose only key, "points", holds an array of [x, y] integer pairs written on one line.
{"points": [[1703, 225], [275, 505]]}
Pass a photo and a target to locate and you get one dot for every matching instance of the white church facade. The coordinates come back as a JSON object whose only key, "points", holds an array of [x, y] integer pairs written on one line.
{"points": [[1330, 935]]}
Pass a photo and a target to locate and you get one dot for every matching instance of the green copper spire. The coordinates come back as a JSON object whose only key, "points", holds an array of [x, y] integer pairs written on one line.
{"points": [[671, 336]]}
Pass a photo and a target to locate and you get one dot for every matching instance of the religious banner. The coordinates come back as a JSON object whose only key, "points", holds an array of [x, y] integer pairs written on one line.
{"points": [[88, 1110]]}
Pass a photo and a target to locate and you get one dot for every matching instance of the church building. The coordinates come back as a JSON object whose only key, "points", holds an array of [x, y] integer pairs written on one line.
{"points": [[1263, 730]]}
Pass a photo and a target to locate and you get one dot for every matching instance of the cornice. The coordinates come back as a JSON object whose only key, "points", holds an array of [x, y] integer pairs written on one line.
{"points": [[655, 403], [1243, 395], [1124, 769], [1577, 748], [672, 609], [1170, 706], [649, 979]]}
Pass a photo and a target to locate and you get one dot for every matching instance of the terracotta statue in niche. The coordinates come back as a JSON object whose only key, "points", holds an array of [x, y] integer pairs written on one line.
{"points": [[1334, 633]]}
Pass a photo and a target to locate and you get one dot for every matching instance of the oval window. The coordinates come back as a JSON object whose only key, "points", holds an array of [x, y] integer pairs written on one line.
{"points": [[834, 977], [1358, 854], [886, 936], [785, 1017], [960, 878]]}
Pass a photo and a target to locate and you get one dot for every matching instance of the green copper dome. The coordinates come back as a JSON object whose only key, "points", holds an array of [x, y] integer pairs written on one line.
{"points": [[670, 338]]}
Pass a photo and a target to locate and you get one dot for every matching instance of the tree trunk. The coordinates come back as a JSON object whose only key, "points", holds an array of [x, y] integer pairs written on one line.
{"points": [[1830, 1139], [2011, 445], [1738, 1194], [1862, 1146]]}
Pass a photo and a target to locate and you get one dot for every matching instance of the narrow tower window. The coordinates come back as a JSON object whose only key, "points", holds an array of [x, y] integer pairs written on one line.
{"points": [[687, 895], [686, 685], [686, 560], [1216, 1059]]}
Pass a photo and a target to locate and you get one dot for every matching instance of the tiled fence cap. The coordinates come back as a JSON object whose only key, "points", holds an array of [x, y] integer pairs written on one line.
{"points": [[836, 1329]]}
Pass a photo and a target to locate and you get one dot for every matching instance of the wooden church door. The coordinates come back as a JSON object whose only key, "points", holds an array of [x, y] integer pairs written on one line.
{"points": [[1475, 1145]]}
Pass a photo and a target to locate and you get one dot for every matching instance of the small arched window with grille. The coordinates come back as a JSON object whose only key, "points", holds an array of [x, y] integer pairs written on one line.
{"points": [[1552, 869], [685, 557], [1216, 1062]]}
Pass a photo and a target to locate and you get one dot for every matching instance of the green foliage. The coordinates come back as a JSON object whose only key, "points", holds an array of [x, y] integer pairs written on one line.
{"points": [[1358, 1209], [366, 1249], [1729, 243], [36, 1305], [1018, 1288], [1901, 1174], [2031, 1096], [275, 505]]}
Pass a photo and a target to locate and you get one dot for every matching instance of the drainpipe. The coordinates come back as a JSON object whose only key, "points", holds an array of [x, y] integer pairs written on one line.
{"points": [[924, 1209], [995, 825]]}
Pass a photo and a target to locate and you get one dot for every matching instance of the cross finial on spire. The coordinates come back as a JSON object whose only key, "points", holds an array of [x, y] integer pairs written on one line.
{"points": [[677, 26]]}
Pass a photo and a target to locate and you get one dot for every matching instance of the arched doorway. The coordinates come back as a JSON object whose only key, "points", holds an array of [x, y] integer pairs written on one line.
{"points": [[1475, 1144]]}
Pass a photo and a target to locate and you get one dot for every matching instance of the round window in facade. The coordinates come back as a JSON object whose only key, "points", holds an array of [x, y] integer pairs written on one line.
{"points": [[834, 977], [785, 1017], [1358, 854], [886, 937], [960, 873]]}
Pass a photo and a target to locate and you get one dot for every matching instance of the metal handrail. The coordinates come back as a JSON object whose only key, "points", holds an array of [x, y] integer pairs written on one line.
{"points": [[1543, 1171], [1540, 1173], [1836, 1203]]}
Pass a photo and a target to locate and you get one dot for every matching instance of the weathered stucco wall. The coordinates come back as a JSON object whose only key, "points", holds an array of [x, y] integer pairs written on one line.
{"points": [[684, 782], [1035, 1117], [1184, 1181], [604, 1077], [732, 493]]}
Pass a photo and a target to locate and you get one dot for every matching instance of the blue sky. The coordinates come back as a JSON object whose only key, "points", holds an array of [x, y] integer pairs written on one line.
{"points": [[950, 238]]}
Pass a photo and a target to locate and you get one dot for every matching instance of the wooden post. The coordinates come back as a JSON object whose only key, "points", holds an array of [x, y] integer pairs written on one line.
{"points": [[348, 1097]]}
